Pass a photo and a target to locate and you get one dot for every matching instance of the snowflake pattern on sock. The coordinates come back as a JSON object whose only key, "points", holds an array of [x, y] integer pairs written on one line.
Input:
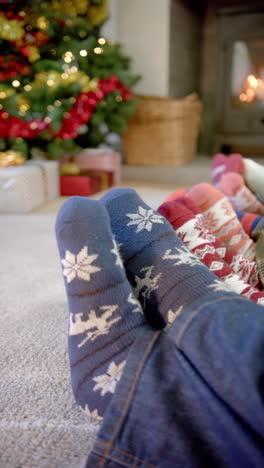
{"points": [[245, 269], [144, 219], [132, 300], [79, 266], [91, 414], [115, 251], [218, 285], [107, 382]]}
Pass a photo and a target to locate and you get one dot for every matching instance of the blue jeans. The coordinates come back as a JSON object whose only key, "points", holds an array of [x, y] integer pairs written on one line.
{"points": [[191, 395]]}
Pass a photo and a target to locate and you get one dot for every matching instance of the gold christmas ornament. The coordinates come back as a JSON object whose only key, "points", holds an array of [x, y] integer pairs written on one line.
{"points": [[70, 168], [11, 158]]}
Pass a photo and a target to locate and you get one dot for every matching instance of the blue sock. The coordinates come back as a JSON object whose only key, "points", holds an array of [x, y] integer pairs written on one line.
{"points": [[164, 275], [104, 316]]}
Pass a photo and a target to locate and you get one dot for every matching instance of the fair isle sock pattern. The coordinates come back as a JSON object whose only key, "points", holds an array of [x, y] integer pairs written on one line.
{"points": [[164, 275], [104, 316], [221, 219], [240, 196], [200, 242], [246, 269]]}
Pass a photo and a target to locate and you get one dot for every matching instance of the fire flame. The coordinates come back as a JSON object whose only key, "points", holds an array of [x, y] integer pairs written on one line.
{"points": [[253, 89]]}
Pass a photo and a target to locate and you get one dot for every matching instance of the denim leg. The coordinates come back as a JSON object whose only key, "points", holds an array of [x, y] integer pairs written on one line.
{"points": [[191, 395]]}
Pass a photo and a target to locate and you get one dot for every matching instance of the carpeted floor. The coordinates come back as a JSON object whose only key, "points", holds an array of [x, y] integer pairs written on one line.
{"points": [[40, 425]]}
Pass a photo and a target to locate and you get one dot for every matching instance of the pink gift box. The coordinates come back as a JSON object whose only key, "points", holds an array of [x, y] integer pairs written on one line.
{"points": [[101, 160]]}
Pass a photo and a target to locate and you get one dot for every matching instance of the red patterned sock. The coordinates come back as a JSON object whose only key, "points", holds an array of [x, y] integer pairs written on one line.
{"points": [[233, 186], [198, 241], [183, 216], [221, 219], [235, 163], [219, 162]]}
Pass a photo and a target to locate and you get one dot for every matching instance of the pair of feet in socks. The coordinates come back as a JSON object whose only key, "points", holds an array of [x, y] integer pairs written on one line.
{"points": [[206, 223], [241, 180], [237, 271], [123, 267]]}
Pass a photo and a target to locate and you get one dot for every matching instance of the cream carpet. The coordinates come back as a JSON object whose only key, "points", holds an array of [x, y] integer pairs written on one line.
{"points": [[40, 425]]}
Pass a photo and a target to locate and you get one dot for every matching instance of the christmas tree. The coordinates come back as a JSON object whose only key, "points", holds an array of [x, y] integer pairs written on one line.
{"points": [[63, 86]]}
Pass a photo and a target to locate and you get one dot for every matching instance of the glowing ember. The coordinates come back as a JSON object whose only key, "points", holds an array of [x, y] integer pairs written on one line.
{"points": [[253, 89]]}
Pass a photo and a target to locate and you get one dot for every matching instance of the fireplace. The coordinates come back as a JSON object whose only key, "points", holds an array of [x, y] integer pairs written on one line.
{"points": [[240, 80]]}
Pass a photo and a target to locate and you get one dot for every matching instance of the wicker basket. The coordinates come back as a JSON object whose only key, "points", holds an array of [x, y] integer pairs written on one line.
{"points": [[163, 131]]}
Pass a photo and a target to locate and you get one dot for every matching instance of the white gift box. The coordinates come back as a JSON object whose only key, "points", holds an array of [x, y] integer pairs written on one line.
{"points": [[50, 174], [21, 189]]}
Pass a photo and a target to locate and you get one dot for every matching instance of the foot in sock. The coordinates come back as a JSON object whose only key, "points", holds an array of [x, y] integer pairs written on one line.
{"points": [[252, 172], [222, 164], [219, 162], [246, 269], [240, 196], [235, 163], [165, 276], [221, 219], [177, 194], [104, 316], [191, 230]]}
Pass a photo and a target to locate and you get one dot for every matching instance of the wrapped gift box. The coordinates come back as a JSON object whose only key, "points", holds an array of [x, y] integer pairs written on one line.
{"points": [[106, 178], [100, 160], [50, 175], [81, 185], [21, 189]]}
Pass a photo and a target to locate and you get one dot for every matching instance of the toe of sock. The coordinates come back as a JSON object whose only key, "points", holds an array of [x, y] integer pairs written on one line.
{"points": [[219, 159], [235, 163], [115, 193], [77, 209], [204, 195], [231, 183]]}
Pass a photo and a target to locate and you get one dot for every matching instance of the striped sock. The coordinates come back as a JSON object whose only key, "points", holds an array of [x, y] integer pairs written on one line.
{"points": [[104, 316], [248, 220], [240, 196], [191, 230], [221, 219], [165, 276]]}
